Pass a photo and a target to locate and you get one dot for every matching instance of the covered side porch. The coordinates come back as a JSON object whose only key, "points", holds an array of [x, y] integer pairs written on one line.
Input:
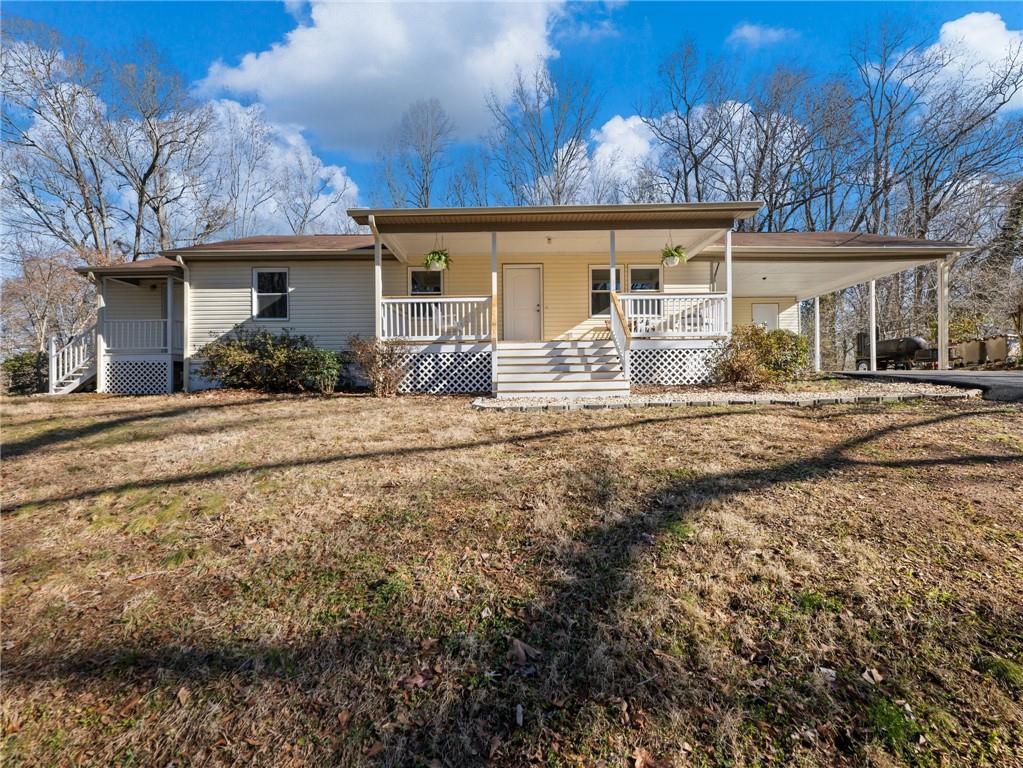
{"points": [[137, 342]]}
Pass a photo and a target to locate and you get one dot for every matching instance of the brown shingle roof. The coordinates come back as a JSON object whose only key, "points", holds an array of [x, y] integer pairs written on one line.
{"points": [[284, 244]]}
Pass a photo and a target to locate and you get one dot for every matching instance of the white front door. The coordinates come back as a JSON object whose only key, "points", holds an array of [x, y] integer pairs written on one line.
{"points": [[766, 315], [523, 297]]}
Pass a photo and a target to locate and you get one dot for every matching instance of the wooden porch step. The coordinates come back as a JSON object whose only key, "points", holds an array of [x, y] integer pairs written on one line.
{"points": [[580, 344], [547, 377], [519, 365], [553, 388]]}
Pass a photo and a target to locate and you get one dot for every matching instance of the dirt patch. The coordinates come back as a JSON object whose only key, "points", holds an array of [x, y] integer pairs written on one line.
{"points": [[233, 578]]}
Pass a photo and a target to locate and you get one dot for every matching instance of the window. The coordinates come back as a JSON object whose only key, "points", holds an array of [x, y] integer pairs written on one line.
{"points": [[425, 282], [600, 289], [270, 294], [644, 278]]}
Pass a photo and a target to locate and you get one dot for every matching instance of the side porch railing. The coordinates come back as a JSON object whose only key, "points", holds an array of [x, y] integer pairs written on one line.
{"points": [[70, 360], [143, 336], [436, 318], [674, 315]]}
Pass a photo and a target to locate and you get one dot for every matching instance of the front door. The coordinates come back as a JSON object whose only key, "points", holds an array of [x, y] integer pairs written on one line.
{"points": [[523, 298]]}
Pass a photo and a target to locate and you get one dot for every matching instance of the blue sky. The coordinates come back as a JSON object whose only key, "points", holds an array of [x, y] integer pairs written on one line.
{"points": [[344, 82]]}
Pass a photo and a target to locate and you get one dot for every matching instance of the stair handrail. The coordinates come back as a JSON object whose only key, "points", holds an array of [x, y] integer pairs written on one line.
{"points": [[621, 334], [79, 351]]}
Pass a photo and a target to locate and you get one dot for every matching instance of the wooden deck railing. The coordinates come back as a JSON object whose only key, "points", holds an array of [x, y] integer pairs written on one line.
{"points": [[674, 315], [439, 318]]}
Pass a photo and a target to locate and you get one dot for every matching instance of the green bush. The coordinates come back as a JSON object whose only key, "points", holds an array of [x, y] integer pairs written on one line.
{"points": [[25, 373], [755, 357], [272, 362]]}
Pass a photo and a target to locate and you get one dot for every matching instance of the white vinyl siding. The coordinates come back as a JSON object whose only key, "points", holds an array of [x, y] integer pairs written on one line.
{"points": [[140, 302], [788, 311], [329, 301]]}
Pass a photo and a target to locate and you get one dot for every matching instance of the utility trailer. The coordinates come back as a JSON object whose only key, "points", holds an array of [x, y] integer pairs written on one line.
{"points": [[900, 353]]}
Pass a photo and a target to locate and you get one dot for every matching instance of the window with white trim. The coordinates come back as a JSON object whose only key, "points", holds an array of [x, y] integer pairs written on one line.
{"points": [[270, 293], [600, 289], [425, 282], [643, 278]]}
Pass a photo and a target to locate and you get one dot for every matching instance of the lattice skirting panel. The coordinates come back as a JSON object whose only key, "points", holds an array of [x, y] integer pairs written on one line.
{"points": [[137, 375], [461, 372], [671, 366]]}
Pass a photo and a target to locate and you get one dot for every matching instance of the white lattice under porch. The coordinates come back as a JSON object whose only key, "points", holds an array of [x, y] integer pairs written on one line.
{"points": [[448, 369], [675, 362], [137, 374]]}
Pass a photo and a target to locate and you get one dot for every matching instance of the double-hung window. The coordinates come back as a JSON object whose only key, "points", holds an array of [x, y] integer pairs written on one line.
{"points": [[270, 293], [425, 282], [644, 279], [600, 289]]}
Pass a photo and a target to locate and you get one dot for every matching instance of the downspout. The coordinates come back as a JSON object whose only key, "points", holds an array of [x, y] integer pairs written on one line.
{"points": [[186, 325]]}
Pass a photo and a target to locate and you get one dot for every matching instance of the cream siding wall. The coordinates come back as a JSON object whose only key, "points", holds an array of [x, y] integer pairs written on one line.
{"points": [[788, 310], [142, 302], [328, 300], [566, 281]]}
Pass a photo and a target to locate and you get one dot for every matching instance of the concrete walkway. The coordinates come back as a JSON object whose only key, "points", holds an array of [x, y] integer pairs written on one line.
{"points": [[1006, 386]]}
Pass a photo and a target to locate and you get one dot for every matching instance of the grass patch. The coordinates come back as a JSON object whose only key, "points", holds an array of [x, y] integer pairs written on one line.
{"points": [[351, 581]]}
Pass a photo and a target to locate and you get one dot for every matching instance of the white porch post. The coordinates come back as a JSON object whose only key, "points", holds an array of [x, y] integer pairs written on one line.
{"points": [[613, 261], [493, 313], [170, 335], [378, 285], [101, 346], [186, 326], [943, 270], [873, 326], [728, 282], [52, 378], [817, 333]]}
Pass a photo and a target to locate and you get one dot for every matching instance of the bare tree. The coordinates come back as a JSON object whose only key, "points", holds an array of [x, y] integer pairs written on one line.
{"points": [[469, 183], [417, 154], [311, 199], [156, 145], [540, 137], [54, 176]]}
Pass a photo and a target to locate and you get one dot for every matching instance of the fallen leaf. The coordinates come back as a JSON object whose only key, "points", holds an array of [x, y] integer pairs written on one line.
{"points": [[343, 717], [643, 759], [520, 652], [183, 695], [872, 676], [375, 750]]}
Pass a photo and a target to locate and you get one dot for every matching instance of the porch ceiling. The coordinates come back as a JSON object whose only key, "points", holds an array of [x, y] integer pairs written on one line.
{"points": [[551, 243], [805, 278]]}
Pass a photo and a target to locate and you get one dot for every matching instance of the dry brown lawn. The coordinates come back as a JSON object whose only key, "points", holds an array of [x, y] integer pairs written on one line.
{"points": [[239, 579]]}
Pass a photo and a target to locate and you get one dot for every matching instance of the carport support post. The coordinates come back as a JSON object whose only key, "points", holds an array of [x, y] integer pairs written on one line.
{"points": [[873, 326], [817, 333], [728, 282], [493, 313], [943, 269]]}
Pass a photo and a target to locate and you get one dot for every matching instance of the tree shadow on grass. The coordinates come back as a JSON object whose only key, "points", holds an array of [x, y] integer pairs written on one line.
{"points": [[583, 664], [99, 426]]}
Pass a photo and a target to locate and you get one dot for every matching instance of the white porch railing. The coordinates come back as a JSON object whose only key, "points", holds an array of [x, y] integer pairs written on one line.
{"points": [[674, 315], [142, 335], [421, 318], [621, 334], [67, 361]]}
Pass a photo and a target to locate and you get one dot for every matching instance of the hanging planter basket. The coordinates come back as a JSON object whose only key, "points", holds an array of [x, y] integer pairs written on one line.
{"points": [[673, 255], [437, 260]]}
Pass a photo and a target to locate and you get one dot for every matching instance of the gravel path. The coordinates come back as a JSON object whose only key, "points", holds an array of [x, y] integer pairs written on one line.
{"points": [[865, 392]]}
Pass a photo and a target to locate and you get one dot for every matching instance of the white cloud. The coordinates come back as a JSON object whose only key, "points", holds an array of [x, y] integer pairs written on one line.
{"points": [[622, 144], [349, 73], [978, 43], [757, 35]]}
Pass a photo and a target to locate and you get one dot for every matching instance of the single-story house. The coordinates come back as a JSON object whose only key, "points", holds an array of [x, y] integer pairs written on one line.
{"points": [[564, 300]]}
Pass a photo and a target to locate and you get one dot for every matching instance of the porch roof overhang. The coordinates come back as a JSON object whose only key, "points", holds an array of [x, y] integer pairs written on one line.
{"points": [[142, 269], [553, 229], [808, 264]]}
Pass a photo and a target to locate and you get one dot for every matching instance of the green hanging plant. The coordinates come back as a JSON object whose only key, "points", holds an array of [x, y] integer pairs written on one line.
{"points": [[671, 255], [437, 259]]}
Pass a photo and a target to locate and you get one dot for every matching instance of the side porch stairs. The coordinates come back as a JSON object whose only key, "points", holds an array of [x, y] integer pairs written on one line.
{"points": [[72, 365]]}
